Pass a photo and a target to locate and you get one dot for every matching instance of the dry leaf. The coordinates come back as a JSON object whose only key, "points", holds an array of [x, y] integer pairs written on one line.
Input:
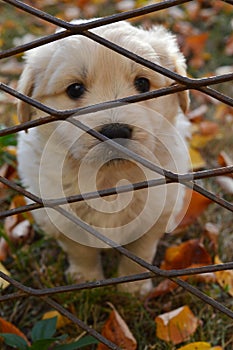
{"points": [[4, 249], [226, 183], [9, 173], [186, 254], [208, 128], [196, 115], [18, 227], [116, 330], [224, 159], [198, 204], [200, 346], [199, 140], [7, 327], [3, 283], [212, 233], [61, 320], [197, 161], [176, 326], [164, 287], [224, 278]]}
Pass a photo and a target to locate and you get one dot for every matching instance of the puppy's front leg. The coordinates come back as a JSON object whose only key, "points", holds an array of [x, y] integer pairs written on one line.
{"points": [[85, 262], [145, 248]]}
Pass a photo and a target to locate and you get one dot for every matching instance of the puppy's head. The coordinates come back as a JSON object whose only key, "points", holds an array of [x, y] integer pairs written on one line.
{"points": [[77, 72]]}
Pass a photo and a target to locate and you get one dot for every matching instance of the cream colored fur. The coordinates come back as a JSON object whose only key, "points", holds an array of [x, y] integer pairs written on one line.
{"points": [[58, 159]]}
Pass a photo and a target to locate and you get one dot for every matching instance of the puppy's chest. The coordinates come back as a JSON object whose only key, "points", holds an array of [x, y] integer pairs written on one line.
{"points": [[106, 211]]}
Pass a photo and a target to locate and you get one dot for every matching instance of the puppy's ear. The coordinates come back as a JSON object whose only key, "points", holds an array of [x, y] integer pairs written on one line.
{"points": [[26, 86], [183, 96], [166, 48]]}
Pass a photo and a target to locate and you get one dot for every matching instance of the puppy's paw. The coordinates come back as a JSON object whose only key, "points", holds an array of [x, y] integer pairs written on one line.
{"points": [[80, 275], [138, 287]]}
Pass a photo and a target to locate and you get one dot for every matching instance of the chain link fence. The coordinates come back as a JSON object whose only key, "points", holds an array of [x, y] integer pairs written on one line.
{"points": [[204, 85]]}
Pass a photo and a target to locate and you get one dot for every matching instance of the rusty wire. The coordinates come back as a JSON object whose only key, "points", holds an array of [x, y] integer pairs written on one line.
{"points": [[181, 83]]}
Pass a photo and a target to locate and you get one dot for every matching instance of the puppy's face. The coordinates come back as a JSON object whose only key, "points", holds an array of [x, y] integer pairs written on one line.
{"points": [[77, 72]]}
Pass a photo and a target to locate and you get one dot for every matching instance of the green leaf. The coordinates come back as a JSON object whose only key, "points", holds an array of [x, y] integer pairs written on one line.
{"points": [[15, 341], [44, 329], [42, 344], [85, 341]]}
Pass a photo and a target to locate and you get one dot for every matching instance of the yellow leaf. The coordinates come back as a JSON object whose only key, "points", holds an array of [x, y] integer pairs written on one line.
{"points": [[61, 320], [200, 346], [176, 326], [197, 160], [12, 150], [224, 278], [15, 119], [196, 346], [199, 141], [3, 283]]}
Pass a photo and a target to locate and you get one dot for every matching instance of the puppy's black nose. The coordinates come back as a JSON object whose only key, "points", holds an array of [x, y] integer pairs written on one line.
{"points": [[116, 131]]}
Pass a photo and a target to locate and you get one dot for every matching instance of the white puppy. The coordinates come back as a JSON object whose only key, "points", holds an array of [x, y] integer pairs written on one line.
{"points": [[58, 159]]}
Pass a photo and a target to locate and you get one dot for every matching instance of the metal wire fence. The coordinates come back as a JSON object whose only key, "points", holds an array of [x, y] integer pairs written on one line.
{"points": [[182, 83]]}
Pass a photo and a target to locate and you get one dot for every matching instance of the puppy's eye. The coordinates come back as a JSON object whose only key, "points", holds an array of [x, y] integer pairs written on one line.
{"points": [[142, 84], [75, 90]]}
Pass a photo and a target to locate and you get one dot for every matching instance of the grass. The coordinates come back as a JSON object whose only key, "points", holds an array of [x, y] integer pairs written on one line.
{"points": [[41, 263]]}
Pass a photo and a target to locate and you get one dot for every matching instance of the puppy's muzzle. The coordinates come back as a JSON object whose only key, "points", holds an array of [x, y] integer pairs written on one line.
{"points": [[117, 131], [120, 133]]}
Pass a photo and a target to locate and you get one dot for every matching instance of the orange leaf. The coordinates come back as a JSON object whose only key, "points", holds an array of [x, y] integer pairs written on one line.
{"points": [[164, 287], [116, 330], [176, 326], [7, 327], [4, 249], [208, 127], [185, 255], [196, 43], [224, 278], [198, 204]]}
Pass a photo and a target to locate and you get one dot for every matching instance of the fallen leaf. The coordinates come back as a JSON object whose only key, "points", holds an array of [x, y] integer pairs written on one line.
{"points": [[9, 172], [18, 227], [4, 249], [12, 150], [197, 161], [7, 327], [224, 159], [177, 325], [200, 346], [185, 255], [211, 231], [116, 330], [199, 140], [208, 128], [198, 204], [3, 283], [197, 114], [61, 320], [164, 287], [224, 278], [226, 183]]}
